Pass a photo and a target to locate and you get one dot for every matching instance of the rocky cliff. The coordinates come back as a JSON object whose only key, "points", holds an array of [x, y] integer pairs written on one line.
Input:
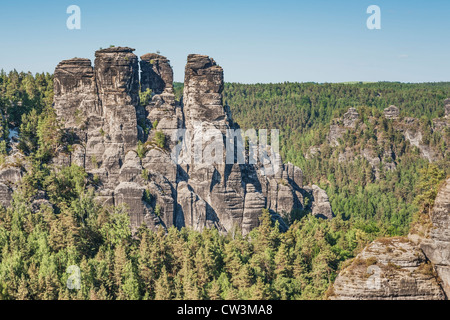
{"points": [[436, 244], [417, 267], [163, 159], [380, 151]]}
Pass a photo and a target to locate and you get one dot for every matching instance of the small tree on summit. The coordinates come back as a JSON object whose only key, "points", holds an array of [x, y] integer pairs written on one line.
{"points": [[160, 139]]}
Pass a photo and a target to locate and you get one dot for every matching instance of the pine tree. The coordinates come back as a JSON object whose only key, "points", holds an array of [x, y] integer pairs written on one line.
{"points": [[163, 287]]}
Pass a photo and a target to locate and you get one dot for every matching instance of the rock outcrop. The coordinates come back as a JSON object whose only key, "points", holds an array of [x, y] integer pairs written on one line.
{"points": [[12, 169], [414, 136], [382, 160], [166, 161], [391, 112], [349, 121], [321, 206], [156, 73], [417, 267], [388, 269]]}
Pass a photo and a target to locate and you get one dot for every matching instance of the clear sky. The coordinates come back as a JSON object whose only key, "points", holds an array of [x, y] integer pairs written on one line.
{"points": [[253, 40]]}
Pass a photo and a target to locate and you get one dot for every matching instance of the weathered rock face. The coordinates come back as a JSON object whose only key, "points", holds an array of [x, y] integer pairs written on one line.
{"points": [[414, 136], [156, 73], [336, 133], [101, 107], [117, 79], [387, 161], [162, 112], [437, 246], [8, 178], [401, 268], [350, 118], [321, 205], [391, 112], [75, 91], [388, 269], [202, 96]]}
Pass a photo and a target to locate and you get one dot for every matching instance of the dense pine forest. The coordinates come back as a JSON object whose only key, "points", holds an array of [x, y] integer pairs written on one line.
{"points": [[304, 112], [38, 245]]}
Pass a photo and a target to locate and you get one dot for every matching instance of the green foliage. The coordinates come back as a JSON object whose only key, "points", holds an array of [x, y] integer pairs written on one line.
{"points": [[40, 135], [430, 181], [304, 112], [147, 196], [3, 151], [28, 139], [22, 92], [141, 150], [428, 186], [145, 174], [160, 139], [182, 264], [66, 184], [178, 90], [145, 97], [94, 162], [158, 209]]}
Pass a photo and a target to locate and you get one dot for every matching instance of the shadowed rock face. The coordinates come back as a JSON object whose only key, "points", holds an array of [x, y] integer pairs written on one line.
{"points": [[202, 96], [75, 91], [100, 105], [117, 80], [156, 73]]}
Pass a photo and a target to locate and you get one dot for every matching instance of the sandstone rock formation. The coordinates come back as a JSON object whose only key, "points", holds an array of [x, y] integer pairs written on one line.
{"points": [[391, 112], [417, 267], [321, 206], [437, 246], [349, 121], [388, 269], [409, 127], [414, 136], [146, 157], [156, 73]]}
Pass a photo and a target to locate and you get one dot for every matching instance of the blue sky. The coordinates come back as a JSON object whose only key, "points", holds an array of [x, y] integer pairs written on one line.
{"points": [[254, 41]]}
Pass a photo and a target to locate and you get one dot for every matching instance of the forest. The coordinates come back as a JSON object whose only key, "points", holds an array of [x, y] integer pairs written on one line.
{"points": [[71, 229]]}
